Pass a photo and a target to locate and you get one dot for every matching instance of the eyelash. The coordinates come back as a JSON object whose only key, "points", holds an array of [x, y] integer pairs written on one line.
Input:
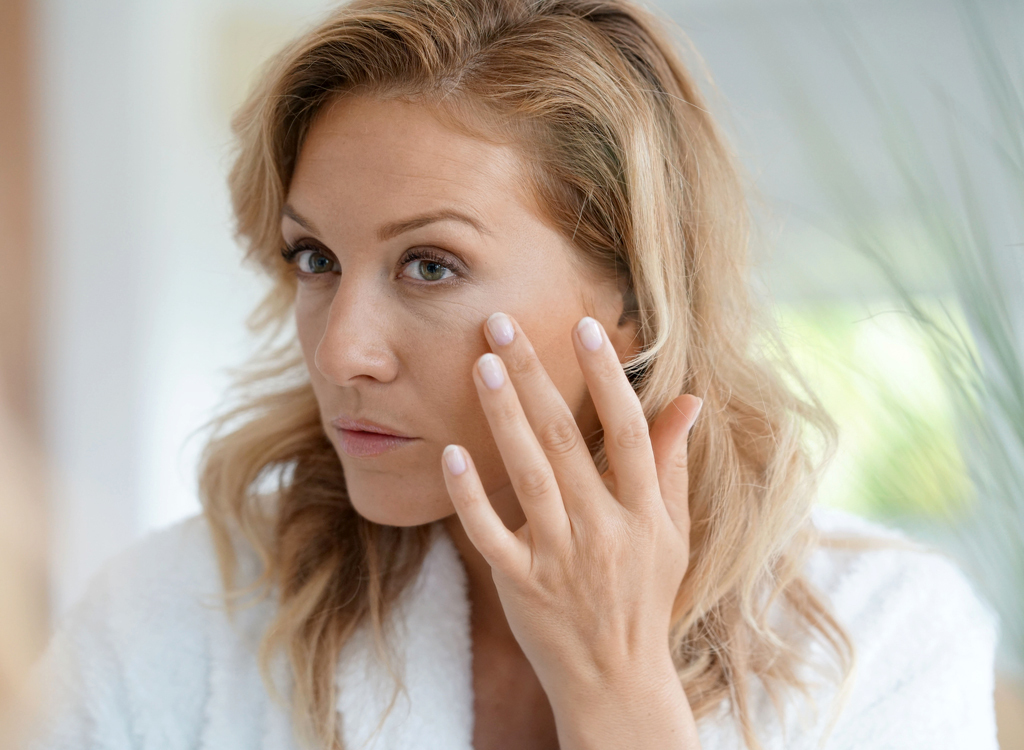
{"points": [[291, 253], [433, 257]]}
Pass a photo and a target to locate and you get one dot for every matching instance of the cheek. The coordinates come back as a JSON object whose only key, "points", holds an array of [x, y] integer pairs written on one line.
{"points": [[452, 389], [312, 308], [550, 329], [438, 349]]}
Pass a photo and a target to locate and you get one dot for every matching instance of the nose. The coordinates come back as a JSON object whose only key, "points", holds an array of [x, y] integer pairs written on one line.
{"points": [[355, 342]]}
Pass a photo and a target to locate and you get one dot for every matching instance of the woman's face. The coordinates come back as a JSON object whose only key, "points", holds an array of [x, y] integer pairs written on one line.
{"points": [[409, 235]]}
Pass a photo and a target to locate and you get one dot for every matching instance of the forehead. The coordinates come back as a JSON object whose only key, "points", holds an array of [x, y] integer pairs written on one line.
{"points": [[365, 157]]}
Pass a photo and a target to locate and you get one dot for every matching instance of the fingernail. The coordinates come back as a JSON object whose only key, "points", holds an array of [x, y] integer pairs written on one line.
{"points": [[696, 414], [590, 333], [490, 370], [455, 460], [501, 328]]}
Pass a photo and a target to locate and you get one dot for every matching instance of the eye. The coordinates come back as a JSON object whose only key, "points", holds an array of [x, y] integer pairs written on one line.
{"points": [[310, 261], [430, 266]]}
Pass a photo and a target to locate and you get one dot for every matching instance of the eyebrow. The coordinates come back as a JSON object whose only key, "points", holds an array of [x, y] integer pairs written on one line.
{"points": [[295, 216], [395, 228]]}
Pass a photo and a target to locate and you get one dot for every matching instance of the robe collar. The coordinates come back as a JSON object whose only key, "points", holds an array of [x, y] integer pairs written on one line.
{"points": [[433, 646]]}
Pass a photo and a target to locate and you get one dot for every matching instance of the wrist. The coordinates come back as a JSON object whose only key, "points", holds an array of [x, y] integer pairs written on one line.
{"points": [[642, 706]]}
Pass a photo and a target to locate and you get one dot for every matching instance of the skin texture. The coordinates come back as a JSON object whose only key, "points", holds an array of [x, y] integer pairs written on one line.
{"points": [[570, 612]]}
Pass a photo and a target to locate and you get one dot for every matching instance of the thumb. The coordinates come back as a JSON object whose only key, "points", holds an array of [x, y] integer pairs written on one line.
{"points": [[669, 435]]}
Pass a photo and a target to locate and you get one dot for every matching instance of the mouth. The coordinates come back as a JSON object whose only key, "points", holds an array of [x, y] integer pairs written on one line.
{"points": [[359, 444], [363, 439]]}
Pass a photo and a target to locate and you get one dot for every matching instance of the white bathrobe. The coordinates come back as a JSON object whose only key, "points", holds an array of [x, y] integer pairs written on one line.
{"points": [[148, 659]]}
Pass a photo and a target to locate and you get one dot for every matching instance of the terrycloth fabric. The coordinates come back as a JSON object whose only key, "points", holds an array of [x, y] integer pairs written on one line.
{"points": [[148, 659]]}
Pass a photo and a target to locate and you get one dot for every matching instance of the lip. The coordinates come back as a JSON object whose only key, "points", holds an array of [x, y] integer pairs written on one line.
{"points": [[361, 438], [365, 425], [359, 444]]}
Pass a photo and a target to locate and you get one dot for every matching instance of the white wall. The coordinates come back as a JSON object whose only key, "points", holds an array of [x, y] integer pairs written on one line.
{"points": [[146, 296]]}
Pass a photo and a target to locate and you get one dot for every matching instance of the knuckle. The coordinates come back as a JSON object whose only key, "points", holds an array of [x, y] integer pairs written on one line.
{"points": [[559, 436], [645, 522], [535, 481], [608, 371], [602, 532], [506, 412], [521, 359], [678, 462], [634, 434]]}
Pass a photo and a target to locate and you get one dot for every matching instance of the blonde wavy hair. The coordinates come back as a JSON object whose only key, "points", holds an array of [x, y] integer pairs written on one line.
{"points": [[623, 154]]}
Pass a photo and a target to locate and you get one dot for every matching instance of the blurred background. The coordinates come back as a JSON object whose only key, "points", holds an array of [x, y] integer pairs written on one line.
{"points": [[884, 140]]}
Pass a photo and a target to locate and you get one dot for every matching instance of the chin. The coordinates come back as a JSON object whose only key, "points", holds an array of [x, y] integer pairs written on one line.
{"points": [[384, 503]]}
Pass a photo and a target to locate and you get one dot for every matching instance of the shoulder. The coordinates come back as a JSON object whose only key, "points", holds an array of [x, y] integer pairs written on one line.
{"points": [[924, 640], [163, 577], [134, 660], [872, 573]]}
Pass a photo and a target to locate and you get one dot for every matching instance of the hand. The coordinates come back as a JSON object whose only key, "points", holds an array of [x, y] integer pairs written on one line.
{"points": [[589, 582]]}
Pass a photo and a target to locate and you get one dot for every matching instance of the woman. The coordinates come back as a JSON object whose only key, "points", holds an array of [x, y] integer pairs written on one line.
{"points": [[471, 503]]}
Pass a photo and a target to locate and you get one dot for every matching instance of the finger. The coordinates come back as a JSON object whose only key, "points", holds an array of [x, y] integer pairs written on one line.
{"points": [[485, 529], [549, 416], [627, 440], [528, 468], [669, 435]]}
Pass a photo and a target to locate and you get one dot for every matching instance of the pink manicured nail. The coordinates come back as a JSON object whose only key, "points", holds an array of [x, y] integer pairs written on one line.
{"points": [[695, 415], [590, 333], [501, 328], [490, 371], [455, 460]]}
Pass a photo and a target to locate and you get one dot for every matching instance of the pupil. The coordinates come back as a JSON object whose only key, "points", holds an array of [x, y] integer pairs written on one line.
{"points": [[432, 264]]}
